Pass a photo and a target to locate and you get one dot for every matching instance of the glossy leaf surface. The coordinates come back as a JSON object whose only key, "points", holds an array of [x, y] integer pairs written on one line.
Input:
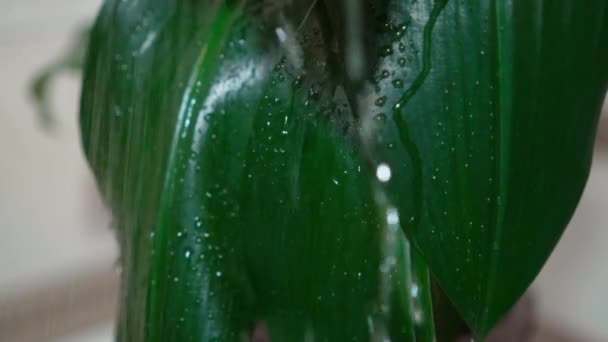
{"points": [[238, 193], [237, 143], [490, 139]]}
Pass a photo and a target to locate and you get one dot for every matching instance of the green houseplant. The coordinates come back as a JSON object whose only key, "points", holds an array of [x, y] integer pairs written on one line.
{"points": [[338, 170]]}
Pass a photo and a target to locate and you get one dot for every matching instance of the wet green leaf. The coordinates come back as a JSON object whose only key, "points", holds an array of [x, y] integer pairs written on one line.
{"points": [[240, 197], [259, 157], [490, 142]]}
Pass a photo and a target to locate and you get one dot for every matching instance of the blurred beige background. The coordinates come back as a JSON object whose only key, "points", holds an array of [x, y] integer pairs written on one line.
{"points": [[57, 253]]}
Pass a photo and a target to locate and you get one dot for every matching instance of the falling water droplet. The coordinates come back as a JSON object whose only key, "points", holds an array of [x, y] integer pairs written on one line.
{"points": [[392, 216], [414, 290], [383, 173], [386, 51]]}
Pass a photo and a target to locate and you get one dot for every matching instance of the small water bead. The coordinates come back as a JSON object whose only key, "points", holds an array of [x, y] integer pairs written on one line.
{"points": [[401, 29], [187, 254], [385, 51], [380, 101], [387, 27], [218, 274], [297, 83], [401, 61], [281, 65], [398, 83], [313, 94]]}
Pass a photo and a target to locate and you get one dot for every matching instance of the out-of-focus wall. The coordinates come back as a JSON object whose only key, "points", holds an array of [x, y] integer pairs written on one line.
{"points": [[55, 240], [571, 289], [51, 217]]}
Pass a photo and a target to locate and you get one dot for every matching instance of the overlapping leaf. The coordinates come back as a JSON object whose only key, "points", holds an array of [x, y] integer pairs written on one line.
{"points": [[489, 130]]}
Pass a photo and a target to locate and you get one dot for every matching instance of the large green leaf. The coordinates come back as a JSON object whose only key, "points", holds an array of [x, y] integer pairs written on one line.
{"points": [[237, 143], [238, 190], [490, 140]]}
